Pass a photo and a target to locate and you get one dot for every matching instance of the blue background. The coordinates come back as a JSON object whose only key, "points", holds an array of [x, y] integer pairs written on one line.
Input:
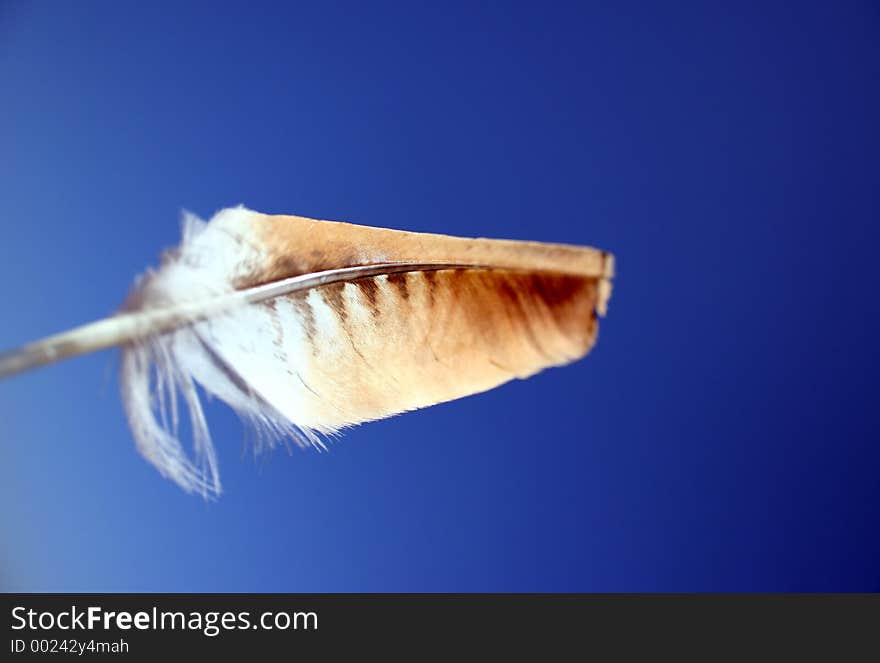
{"points": [[723, 434]]}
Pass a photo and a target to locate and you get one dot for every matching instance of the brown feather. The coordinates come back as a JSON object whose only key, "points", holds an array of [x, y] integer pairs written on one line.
{"points": [[406, 340]]}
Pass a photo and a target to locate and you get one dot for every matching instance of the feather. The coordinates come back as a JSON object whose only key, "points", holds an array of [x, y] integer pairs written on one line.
{"points": [[305, 327]]}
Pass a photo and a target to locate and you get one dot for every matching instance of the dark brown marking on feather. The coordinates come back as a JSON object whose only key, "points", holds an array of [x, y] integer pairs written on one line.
{"points": [[558, 292], [304, 308], [570, 301], [459, 277], [333, 295], [398, 282], [510, 290], [316, 261], [430, 278], [370, 290], [272, 305], [508, 294], [289, 265]]}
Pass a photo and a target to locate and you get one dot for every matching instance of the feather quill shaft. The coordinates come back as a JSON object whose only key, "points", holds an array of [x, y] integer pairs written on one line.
{"points": [[306, 327]]}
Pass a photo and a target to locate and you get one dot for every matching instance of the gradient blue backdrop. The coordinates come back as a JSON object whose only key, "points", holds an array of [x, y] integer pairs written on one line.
{"points": [[723, 434]]}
